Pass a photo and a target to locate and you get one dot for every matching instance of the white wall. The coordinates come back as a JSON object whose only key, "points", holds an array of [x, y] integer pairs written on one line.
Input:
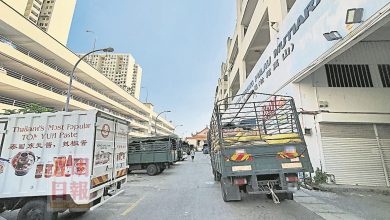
{"points": [[61, 20], [18, 5], [366, 101], [373, 100]]}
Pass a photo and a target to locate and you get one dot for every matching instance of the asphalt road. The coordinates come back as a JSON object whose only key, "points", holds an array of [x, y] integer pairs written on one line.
{"points": [[187, 191]]}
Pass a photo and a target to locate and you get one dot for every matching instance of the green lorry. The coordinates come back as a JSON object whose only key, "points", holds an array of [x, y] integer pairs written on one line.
{"points": [[257, 146], [154, 154]]}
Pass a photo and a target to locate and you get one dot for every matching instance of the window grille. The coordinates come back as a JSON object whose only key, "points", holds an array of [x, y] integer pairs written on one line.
{"points": [[339, 75]]}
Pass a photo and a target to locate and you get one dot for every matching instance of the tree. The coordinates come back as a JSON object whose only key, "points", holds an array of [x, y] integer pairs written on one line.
{"points": [[29, 108], [35, 108], [10, 111]]}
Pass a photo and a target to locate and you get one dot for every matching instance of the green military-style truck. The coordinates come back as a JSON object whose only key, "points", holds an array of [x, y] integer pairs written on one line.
{"points": [[154, 154]]}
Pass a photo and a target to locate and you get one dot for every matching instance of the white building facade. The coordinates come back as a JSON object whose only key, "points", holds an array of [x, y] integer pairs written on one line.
{"points": [[119, 68], [341, 85]]}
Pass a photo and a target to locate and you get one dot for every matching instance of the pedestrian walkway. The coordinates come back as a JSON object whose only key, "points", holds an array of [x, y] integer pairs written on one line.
{"points": [[351, 188], [322, 208]]}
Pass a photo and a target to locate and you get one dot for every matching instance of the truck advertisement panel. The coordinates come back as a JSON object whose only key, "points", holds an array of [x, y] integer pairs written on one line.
{"points": [[120, 158], [47, 154], [104, 151]]}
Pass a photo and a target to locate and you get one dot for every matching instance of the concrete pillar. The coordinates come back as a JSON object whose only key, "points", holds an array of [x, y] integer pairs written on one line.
{"points": [[277, 11]]}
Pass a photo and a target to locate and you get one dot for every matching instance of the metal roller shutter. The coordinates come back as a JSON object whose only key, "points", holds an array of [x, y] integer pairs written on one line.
{"points": [[352, 154], [384, 140]]}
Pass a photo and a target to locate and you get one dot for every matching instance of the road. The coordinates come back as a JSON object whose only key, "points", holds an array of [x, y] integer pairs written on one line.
{"points": [[187, 191]]}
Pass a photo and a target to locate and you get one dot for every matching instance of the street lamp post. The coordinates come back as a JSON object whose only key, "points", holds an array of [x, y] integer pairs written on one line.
{"points": [[109, 49], [155, 123], [175, 128], [94, 38], [147, 93]]}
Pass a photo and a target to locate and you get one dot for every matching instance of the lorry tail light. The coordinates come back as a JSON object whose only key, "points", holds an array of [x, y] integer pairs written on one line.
{"points": [[292, 179], [240, 181]]}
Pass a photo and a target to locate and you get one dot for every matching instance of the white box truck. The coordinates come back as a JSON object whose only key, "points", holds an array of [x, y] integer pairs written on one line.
{"points": [[53, 162]]}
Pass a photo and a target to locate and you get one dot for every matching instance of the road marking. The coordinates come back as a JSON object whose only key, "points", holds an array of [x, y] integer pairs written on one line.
{"points": [[132, 206]]}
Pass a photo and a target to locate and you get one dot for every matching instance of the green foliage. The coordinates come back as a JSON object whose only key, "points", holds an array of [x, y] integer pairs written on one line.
{"points": [[10, 111], [320, 177], [29, 108], [35, 108]]}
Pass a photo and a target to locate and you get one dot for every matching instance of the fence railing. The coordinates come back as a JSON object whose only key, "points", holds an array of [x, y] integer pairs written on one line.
{"points": [[62, 70], [45, 86]]}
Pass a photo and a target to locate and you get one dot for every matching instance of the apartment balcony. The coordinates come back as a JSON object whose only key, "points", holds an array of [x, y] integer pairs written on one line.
{"points": [[8, 103], [247, 9], [27, 90], [257, 37]]}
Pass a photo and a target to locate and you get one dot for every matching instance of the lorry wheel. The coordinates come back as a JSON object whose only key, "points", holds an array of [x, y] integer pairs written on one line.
{"points": [[230, 192], [223, 190], [151, 170], [36, 209], [290, 196], [217, 177]]}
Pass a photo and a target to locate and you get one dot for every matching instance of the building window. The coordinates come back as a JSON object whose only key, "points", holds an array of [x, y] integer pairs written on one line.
{"points": [[384, 71], [36, 7], [32, 19], [34, 13], [348, 75]]}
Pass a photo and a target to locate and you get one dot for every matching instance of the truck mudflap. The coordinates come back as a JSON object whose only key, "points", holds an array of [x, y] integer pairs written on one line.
{"points": [[230, 191]]}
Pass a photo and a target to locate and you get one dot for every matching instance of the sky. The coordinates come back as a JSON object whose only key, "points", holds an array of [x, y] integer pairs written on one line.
{"points": [[180, 45]]}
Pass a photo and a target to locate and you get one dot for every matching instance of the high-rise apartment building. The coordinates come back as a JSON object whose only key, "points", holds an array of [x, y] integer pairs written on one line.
{"points": [[52, 16], [119, 68]]}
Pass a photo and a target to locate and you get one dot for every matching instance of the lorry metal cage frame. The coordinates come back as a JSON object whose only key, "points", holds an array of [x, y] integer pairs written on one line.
{"points": [[254, 119]]}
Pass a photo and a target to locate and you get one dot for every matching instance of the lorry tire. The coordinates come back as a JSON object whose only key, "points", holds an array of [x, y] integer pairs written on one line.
{"points": [[290, 196], [217, 177], [151, 170], [36, 209], [230, 192]]}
